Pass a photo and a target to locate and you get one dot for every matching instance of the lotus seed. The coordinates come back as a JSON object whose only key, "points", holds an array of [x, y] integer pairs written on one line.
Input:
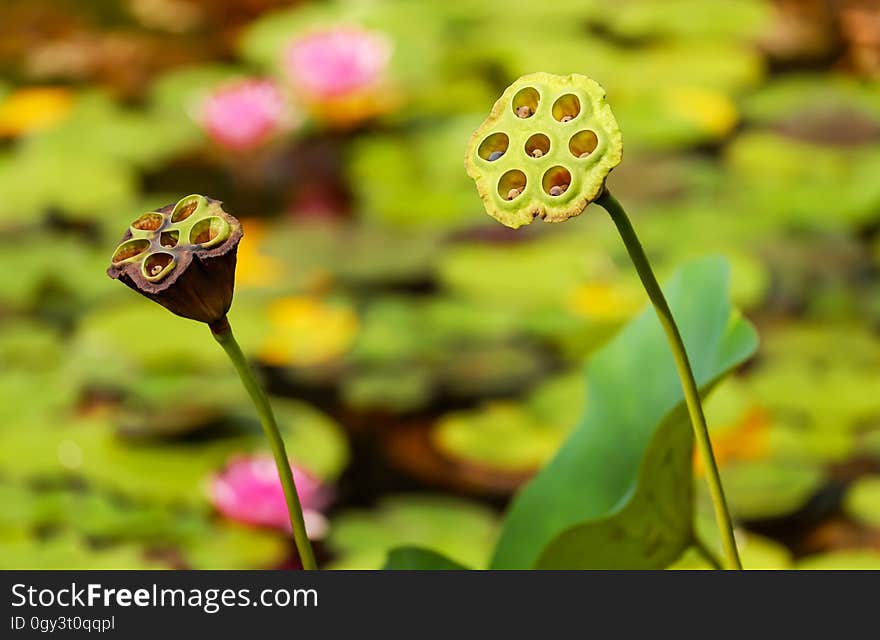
{"points": [[537, 153], [566, 118], [584, 154], [513, 193], [558, 190], [155, 270], [524, 111], [495, 155]]}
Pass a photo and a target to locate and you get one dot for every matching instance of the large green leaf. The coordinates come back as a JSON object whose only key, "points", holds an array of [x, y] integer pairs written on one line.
{"points": [[619, 492]]}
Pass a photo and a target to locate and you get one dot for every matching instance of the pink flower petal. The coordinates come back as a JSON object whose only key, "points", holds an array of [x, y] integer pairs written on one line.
{"points": [[335, 62], [249, 491], [244, 114]]}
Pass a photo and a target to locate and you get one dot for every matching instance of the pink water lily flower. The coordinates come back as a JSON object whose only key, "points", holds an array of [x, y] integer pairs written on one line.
{"points": [[336, 62], [243, 114], [249, 490]]}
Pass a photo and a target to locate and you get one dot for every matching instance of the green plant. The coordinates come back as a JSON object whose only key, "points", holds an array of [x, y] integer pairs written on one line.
{"points": [[618, 494], [183, 257], [545, 151]]}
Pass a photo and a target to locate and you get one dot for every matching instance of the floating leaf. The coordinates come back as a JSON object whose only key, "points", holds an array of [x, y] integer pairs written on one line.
{"points": [[848, 560], [769, 488], [415, 180], [462, 531], [233, 547], [500, 435], [862, 501], [72, 553]]}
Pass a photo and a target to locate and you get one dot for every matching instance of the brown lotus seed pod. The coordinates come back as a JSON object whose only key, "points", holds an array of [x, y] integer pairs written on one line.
{"points": [[183, 257]]}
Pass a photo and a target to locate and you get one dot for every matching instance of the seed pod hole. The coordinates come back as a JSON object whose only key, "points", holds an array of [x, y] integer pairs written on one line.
{"points": [[556, 181], [130, 249], [512, 184], [169, 238], [493, 147], [538, 145], [566, 108], [185, 208], [148, 222], [209, 232], [525, 102], [158, 265], [583, 143]]}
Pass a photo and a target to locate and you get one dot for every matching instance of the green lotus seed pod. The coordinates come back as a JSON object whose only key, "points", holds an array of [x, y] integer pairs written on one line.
{"points": [[183, 257], [558, 142]]}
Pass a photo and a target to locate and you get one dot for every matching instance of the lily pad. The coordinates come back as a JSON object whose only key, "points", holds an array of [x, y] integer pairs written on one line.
{"points": [[862, 502], [460, 530], [72, 553], [762, 489], [511, 436], [848, 560], [415, 180]]}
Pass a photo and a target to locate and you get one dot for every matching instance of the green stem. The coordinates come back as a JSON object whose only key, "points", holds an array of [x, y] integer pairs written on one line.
{"points": [[707, 553], [223, 334], [685, 373]]}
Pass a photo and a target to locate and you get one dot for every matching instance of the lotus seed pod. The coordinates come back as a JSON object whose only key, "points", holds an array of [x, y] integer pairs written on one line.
{"points": [[183, 257], [555, 159]]}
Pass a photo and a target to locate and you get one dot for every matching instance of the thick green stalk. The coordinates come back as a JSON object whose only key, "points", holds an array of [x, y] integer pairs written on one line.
{"points": [[223, 334], [685, 373]]}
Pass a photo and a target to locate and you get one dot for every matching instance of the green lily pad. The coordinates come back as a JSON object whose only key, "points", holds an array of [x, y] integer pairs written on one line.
{"points": [[769, 488], [795, 93], [862, 502], [55, 274], [29, 345], [402, 389], [848, 560], [72, 553], [685, 19], [164, 472], [461, 530], [820, 425], [500, 435], [414, 180], [596, 503], [756, 552], [531, 275], [233, 547], [836, 188], [512, 436], [128, 530], [144, 335]]}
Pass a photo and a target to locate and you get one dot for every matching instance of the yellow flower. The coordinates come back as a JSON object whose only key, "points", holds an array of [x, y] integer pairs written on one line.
{"points": [[33, 109], [748, 439], [255, 269], [711, 111], [306, 332], [605, 302]]}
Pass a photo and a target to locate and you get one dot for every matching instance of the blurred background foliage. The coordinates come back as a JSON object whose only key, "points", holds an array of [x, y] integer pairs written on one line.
{"points": [[425, 361]]}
